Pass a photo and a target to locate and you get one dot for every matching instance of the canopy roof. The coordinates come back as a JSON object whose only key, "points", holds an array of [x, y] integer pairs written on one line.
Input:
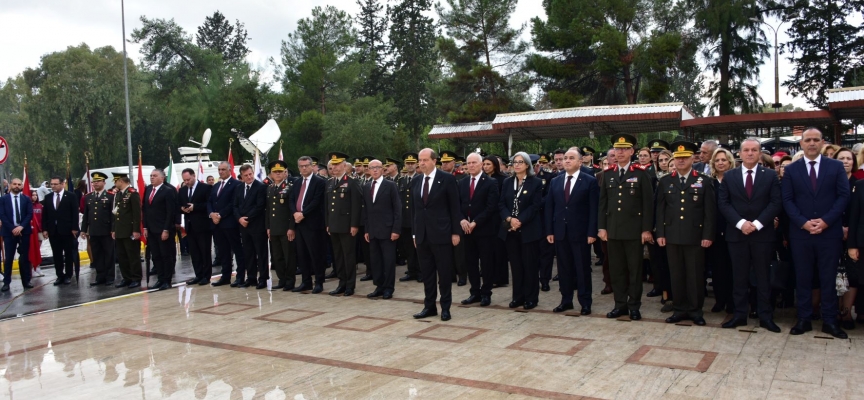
{"points": [[726, 124], [847, 103]]}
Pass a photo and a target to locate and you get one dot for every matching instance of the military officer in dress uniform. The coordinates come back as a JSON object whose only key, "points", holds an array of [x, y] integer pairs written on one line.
{"points": [[126, 231], [547, 250], [342, 218], [278, 221], [362, 245], [448, 165], [625, 220], [686, 210], [391, 169], [406, 239], [96, 225]]}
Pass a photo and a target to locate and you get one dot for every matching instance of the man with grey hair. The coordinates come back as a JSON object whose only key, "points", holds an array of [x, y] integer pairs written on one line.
{"points": [[705, 153], [342, 218], [159, 213], [226, 229]]}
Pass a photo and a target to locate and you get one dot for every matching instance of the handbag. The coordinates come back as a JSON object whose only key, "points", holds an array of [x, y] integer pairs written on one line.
{"points": [[842, 281]]}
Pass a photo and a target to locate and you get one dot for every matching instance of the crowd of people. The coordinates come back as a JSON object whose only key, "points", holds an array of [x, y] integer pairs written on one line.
{"points": [[765, 231]]}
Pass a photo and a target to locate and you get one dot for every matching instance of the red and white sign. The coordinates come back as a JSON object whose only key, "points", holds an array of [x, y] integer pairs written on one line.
{"points": [[4, 150]]}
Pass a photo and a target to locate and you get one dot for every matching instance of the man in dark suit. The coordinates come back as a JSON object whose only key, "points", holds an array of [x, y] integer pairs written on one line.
{"points": [[192, 201], [571, 226], [16, 212], [278, 221], [383, 221], [60, 226], [436, 232], [706, 151], [479, 211], [815, 195], [226, 231], [249, 202], [686, 213], [307, 208], [96, 226], [406, 239], [749, 200], [342, 217], [159, 212]]}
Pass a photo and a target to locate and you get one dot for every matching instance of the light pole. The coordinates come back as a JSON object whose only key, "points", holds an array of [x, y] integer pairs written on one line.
{"points": [[777, 106], [126, 88]]}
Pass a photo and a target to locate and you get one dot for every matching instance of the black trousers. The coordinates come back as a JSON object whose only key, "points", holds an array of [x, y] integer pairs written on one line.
{"points": [[383, 254], [460, 269], [625, 271], [406, 244], [660, 267], [598, 249], [687, 274], [480, 262], [164, 255], [717, 257], [502, 264], [547, 257], [64, 249], [366, 252], [310, 254], [199, 251], [102, 251], [284, 254], [20, 243], [436, 266], [755, 256], [129, 257], [230, 247], [345, 258], [255, 250], [573, 268], [524, 261]]}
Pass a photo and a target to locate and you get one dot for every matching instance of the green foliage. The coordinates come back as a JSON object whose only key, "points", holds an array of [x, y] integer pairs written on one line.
{"points": [[219, 36], [362, 129], [372, 49]]}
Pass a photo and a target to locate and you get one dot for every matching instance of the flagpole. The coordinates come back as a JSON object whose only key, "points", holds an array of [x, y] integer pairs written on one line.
{"points": [[126, 87]]}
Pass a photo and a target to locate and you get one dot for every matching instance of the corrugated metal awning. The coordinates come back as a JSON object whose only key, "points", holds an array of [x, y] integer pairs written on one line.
{"points": [[483, 130], [727, 124], [847, 103]]}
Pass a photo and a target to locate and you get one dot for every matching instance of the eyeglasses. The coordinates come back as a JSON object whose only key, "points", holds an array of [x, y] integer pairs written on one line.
{"points": [[518, 162], [378, 167]]}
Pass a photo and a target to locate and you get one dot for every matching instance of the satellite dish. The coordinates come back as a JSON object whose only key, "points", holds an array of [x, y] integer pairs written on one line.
{"points": [[206, 139], [263, 140]]}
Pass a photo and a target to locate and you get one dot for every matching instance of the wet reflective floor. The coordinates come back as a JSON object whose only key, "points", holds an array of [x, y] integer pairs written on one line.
{"points": [[227, 343]]}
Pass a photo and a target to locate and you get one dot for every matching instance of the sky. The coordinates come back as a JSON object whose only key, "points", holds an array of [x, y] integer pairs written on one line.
{"points": [[30, 29]]}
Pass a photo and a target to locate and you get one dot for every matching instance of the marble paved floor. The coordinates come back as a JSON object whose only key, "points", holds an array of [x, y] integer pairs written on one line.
{"points": [[224, 343]]}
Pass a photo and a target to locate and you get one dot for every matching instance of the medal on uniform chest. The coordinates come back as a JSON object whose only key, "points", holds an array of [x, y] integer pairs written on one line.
{"points": [[281, 201], [695, 197], [632, 192], [341, 195]]}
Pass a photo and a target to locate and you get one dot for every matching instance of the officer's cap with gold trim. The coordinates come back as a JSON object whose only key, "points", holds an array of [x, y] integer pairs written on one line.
{"points": [[658, 145], [683, 149], [447, 156], [99, 176], [367, 159], [391, 161], [314, 160], [460, 160], [358, 162], [587, 150], [410, 158], [118, 175], [543, 158], [623, 141], [277, 166], [335, 157]]}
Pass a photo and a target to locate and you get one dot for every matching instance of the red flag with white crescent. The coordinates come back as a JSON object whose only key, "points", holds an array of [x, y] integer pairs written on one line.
{"points": [[231, 163], [141, 186]]}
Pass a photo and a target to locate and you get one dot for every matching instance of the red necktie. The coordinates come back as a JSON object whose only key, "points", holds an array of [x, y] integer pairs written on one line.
{"points": [[373, 190], [300, 195], [748, 185], [567, 189], [152, 193], [220, 188], [813, 174], [425, 190], [471, 192]]}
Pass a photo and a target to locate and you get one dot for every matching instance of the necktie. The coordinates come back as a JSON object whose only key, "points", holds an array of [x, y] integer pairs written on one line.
{"points": [[425, 190], [299, 204], [471, 191], [567, 189], [17, 211], [56, 200], [373, 190], [152, 194], [221, 185], [246, 191], [683, 180], [190, 193], [813, 174], [621, 174], [748, 185]]}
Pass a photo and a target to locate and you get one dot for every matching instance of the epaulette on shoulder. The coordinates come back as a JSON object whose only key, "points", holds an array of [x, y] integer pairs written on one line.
{"points": [[611, 167], [132, 190], [640, 166], [111, 192]]}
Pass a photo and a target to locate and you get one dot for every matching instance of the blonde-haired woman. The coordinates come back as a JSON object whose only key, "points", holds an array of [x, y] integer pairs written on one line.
{"points": [[663, 160], [717, 255], [829, 150], [659, 262]]}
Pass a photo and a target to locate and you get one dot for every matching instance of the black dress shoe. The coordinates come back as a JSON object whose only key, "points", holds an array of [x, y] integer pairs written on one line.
{"points": [[387, 296], [288, 289], [262, 285], [133, 285], [366, 278], [348, 292], [514, 304], [317, 289], [471, 299], [277, 287], [216, 263], [220, 283], [246, 283], [734, 323], [769, 325], [529, 305], [331, 275], [339, 290], [301, 288], [155, 285], [122, 283], [67, 281], [834, 330], [699, 321], [29, 286], [653, 293], [485, 301], [5, 288], [407, 278], [193, 281], [801, 327], [462, 282], [617, 312], [545, 287], [585, 311], [847, 324], [298, 271], [606, 290], [58, 282], [555, 278], [563, 307], [427, 312], [164, 286], [599, 262], [236, 283], [375, 293], [718, 307], [635, 315], [97, 283], [674, 319], [445, 315]]}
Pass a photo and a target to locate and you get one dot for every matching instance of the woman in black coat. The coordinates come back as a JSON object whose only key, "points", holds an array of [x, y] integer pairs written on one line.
{"points": [[492, 168], [522, 230]]}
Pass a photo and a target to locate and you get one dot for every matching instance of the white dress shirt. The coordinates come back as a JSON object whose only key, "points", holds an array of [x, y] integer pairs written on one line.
{"points": [[376, 187], [431, 181], [15, 201], [744, 170], [572, 181], [815, 166], [306, 181]]}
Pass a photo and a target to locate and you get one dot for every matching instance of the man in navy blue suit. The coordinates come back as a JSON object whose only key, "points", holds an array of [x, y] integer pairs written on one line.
{"points": [[815, 194], [226, 229], [571, 225], [16, 211], [479, 199]]}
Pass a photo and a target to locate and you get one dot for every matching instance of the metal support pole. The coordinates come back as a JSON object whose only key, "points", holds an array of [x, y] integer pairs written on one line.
{"points": [[126, 89]]}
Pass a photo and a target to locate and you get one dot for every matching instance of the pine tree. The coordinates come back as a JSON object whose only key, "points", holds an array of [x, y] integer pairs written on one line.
{"points": [[372, 48], [218, 35]]}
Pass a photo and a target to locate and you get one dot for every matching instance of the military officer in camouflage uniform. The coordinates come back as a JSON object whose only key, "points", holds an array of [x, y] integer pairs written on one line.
{"points": [[96, 225], [278, 220], [625, 220], [342, 218], [406, 241], [126, 231], [686, 213]]}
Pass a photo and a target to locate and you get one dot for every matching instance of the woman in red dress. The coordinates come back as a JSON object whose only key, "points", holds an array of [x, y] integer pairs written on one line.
{"points": [[35, 240]]}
